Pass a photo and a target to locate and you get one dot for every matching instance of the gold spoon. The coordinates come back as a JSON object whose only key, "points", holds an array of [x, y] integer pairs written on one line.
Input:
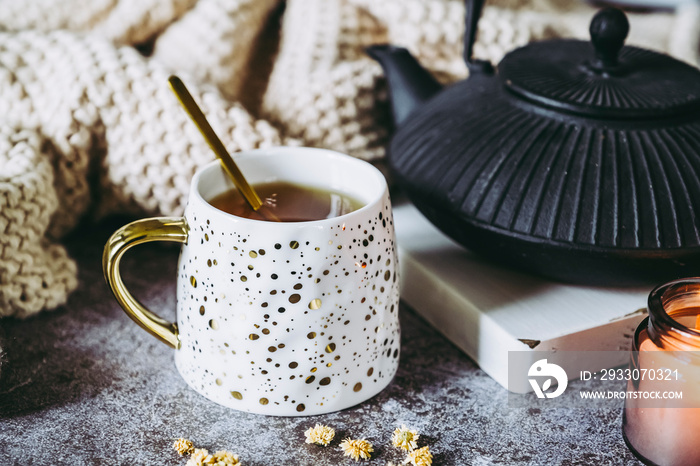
{"points": [[216, 145]]}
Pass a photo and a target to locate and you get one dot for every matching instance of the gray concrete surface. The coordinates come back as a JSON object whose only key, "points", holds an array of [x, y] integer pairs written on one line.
{"points": [[84, 385]]}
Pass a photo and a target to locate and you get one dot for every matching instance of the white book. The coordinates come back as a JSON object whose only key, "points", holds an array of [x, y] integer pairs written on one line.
{"points": [[488, 310]]}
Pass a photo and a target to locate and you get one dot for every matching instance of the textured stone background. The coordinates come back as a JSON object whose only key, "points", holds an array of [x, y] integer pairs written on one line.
{"points": [[84, 385]]}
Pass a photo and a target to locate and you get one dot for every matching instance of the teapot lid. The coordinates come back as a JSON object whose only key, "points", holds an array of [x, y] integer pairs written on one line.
{"points": [[607, 80]]}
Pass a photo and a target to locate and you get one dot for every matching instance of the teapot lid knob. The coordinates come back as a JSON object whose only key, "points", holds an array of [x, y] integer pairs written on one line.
{"points": [[609, 29]]}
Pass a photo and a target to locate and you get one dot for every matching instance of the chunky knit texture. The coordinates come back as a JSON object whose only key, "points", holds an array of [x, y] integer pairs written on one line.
{"points": [[89, 124]]}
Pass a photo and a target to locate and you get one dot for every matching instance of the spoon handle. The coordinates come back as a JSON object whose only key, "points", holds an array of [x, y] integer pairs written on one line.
{"points": [[215, 143]]}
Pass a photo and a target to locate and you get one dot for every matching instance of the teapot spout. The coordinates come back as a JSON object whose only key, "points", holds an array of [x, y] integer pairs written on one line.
{"points": [[409, 83]]}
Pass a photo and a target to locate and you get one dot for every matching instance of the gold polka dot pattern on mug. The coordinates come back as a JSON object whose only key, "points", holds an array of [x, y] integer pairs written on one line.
{"points": [[300, 321]]}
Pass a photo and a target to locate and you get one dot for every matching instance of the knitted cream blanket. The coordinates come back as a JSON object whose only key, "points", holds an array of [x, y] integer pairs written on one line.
{"points": [[88, 124]]}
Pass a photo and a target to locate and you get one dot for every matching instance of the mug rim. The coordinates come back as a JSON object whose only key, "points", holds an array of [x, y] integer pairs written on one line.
{"points": [[276, 151]]}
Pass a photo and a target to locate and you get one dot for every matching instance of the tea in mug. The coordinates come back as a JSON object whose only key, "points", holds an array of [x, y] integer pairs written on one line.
{"points": [[288, 202]]}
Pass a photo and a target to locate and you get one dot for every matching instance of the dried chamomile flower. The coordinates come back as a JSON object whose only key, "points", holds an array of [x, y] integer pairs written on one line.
{"points": [[200, 457], [320, 435], [183, 446], [420, 457], [225, 458], [405, 439], [357, 448]]}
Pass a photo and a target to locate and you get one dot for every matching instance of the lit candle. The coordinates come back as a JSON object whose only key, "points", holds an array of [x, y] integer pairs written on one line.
{"points": [[665, 361]]}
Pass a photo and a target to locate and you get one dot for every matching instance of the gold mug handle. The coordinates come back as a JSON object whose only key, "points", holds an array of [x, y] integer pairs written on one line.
{"points": [[142, 231]]}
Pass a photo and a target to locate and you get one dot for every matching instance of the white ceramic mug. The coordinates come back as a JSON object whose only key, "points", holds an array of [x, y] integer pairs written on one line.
{"points": [[276, 318]]}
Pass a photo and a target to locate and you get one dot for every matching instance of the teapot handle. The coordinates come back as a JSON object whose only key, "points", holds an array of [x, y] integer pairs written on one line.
{"points": [[471, 20]]}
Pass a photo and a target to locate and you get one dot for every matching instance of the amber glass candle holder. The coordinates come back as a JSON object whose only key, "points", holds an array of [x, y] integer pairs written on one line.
{"points": [[660, 426]]}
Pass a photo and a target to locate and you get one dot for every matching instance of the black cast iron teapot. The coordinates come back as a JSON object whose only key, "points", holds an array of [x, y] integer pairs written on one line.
{"points": [[576, 161]]}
